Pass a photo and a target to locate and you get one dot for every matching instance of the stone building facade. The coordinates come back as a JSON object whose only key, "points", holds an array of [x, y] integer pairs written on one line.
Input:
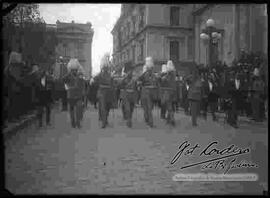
{"points": [[74, 41], [172, 31], [243, 26], [152, 30]]}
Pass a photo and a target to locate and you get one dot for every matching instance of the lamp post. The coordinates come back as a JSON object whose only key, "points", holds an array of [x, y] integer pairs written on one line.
{"points": [[61, 66], [211, 35]]}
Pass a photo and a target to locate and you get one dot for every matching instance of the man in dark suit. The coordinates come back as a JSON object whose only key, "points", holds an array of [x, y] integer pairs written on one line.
{"points": [[212, 96], [257, 96], [105, 93], [43, 94], [235, 92], [194, 96], [185, 89], [205, 93]]}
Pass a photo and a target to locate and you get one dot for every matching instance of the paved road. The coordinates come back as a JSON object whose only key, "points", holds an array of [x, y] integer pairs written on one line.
{"points": [[61, 160]]}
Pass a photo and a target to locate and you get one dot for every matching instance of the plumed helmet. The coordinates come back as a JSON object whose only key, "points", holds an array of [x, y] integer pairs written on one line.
{"points": [[105, 61], [73, 64], [164, 68], [170, 66], [15, 57], [256, 72], [149, 62], [144, 68], [123, 72]]}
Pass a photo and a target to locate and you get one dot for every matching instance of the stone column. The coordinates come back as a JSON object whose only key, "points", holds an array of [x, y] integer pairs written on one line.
{"points": [[236, 30]]}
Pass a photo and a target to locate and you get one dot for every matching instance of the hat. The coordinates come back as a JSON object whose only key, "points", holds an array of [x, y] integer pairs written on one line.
{"points": [[170, 66], [163, 68], [73, 64], [149, 62], [15, 58]]}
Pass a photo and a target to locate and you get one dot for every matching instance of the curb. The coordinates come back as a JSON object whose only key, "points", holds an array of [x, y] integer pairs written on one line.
{"points": [[16, 126]]}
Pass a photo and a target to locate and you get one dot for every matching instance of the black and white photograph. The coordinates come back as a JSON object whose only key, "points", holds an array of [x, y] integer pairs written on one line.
{"points": [[134, 98]]}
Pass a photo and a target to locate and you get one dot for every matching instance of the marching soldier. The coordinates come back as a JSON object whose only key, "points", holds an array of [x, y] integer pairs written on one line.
{"points": [[149, 90], [212, 96], [129, 97], [74, 84], [185, 91], [168, 92], [105, 92]]}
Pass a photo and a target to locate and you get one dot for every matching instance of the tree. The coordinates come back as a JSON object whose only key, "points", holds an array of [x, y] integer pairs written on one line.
{"points": [[7, 8], [21, 13], [29, 30]]}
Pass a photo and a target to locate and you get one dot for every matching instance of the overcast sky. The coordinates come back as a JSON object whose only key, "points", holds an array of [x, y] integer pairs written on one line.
{"points": [[102, 17]]}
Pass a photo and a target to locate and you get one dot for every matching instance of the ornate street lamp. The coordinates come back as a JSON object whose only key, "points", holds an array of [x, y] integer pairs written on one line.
{"points": [[61, 66], [211, 35]]}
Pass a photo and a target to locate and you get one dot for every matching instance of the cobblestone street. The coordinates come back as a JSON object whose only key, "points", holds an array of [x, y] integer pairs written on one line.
{"points": [[61, 160]]}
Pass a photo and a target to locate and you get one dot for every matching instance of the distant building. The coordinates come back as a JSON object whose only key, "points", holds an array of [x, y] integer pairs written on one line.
{"points": [[74, 41], [243, 26], [163, 31], [172, 31]]}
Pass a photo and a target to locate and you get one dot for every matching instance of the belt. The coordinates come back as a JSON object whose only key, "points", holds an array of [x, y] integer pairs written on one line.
{"points": [[105, 86], [150, 87], [128, 90], [166, 88]]}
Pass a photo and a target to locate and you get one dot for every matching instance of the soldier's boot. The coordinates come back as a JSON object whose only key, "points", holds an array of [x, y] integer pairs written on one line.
{"points": [[129, 123], [214, 117], [79, 125], [103, 125], [150, 121], [172, 120]]}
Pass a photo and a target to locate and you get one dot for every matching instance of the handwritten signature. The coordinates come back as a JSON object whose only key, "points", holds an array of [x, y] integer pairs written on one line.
{"points": [[185, 149]]}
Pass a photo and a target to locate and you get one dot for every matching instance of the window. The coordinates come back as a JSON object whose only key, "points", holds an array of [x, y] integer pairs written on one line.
{"points": [[129, 54], [174, 51], [141, 50], [190, 47], [133, 24], [119, 39], [141, 18], [133, 53], [65, 49], [128, 30], [174, 16]]}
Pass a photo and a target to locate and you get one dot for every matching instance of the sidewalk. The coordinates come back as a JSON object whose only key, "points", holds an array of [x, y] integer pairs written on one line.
{"points": [[23, 122], [11, 127]]}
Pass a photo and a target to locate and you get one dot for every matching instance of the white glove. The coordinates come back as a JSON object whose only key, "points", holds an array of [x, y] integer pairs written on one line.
{"points": [[66, 87], [43, 81]]}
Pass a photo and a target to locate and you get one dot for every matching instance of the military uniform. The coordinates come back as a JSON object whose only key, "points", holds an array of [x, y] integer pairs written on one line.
{"points": [[168, 95], [75, 86], [149, 94], [104, 95], [129, 98]]}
